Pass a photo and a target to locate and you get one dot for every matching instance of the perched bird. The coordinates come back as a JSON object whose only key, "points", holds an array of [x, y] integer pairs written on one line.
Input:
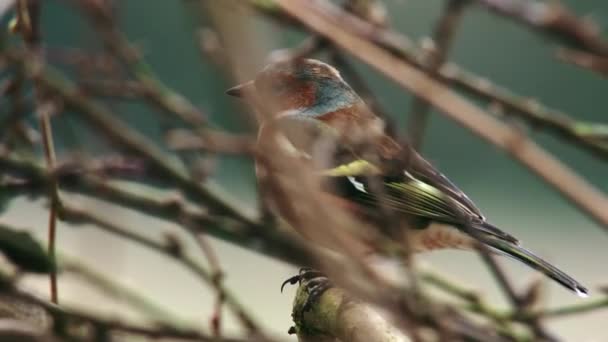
{"points": [[309, 93]]}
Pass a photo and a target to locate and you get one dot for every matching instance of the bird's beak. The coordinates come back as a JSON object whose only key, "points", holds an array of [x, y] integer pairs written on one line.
{"points": [[241, 89]]}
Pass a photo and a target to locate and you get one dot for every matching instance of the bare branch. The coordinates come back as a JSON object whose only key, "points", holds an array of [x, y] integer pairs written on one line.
{"points": [[554, 20], [585, 60], [172, 250], [436, 57]]}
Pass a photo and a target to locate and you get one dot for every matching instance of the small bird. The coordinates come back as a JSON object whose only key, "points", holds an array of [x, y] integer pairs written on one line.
{"points": [[309, 93]]}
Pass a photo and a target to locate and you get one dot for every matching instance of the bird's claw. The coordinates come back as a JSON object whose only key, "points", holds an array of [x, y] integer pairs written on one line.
{"points": [[315, 284], [290, 281]]}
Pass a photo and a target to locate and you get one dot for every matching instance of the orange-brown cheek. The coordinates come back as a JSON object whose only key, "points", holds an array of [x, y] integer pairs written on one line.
{"points": [[302, 96]]}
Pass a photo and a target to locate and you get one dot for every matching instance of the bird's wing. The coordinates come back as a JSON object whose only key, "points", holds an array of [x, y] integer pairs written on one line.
{"points": [[437, 199], [425, 172], [412, 185], [419, 191]]}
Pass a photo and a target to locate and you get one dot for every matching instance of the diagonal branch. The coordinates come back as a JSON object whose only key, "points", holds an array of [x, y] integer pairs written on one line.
{"points": [[585, 60], [590, 136], [442, 40], [554, 20]]}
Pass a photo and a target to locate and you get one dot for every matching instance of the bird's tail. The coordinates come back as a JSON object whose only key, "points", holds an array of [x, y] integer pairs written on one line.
{"points": [[517, 252]]}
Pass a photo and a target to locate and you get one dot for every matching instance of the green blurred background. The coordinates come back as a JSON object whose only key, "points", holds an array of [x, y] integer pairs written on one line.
{"points": [[510, 195]]}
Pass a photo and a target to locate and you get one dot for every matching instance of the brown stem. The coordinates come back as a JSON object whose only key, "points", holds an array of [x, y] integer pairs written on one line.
{"points": [[29, 26], [171, 249], [442, 37], [585, 60], [554, 20]]}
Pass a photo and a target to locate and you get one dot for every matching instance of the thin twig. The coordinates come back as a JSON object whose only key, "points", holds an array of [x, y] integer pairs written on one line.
{"points": [[272, 242], [108, 325], [588, 306], [113, 289], [501, 278], [516, 300], [585, 60], [155, 91], [588, 135], [217, 276], [173, 250], [443, 36], [478, 305], [553, 19], [29, 26], [105, 122]]}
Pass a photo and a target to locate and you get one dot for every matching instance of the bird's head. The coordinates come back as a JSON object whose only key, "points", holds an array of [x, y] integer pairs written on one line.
{"points": [[309, 99], [302, 87]]}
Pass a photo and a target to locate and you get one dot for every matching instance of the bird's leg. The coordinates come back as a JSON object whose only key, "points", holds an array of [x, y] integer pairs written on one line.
{"points": [[315, 284]]}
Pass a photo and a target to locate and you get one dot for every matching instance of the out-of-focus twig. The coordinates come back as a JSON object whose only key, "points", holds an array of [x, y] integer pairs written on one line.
{"points": [[476, 304], [501, 278], [122, 90], [272, 242], [113, 289], [210, 141], [172, 249], [28, 24], [512, 295], [155, 91], [103, 325], [598, 304], [585, 60], [106, 122], [217, 276], [554, 20], [303, 50], [443, 36], [588, 135]]}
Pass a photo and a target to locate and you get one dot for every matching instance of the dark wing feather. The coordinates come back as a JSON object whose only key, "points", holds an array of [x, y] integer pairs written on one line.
{"points": [[423, 170], [412, 185], [429, 195]]}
